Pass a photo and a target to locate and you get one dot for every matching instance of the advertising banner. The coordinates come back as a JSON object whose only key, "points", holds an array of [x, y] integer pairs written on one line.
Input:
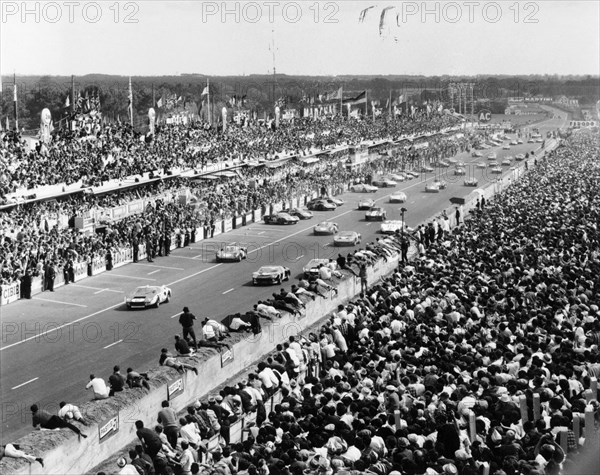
{"points": [[226, 357], [98, 265], [80, 269], [108, 428], [175, 387], [10, 293]]}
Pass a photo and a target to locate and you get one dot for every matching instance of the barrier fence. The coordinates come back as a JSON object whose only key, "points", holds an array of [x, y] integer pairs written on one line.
{"points": [[12, 292]]}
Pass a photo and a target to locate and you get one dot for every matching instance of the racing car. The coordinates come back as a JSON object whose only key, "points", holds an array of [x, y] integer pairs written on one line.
{"points": [[325, 228], [363, 188], [347, 238], [280, 218], [376, 213], [398, 197], [148, 296], [232, 252], [271, 275], [366, 203]]}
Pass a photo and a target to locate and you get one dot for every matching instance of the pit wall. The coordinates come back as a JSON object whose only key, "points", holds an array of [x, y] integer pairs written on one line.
{"points": [[71, 456]]}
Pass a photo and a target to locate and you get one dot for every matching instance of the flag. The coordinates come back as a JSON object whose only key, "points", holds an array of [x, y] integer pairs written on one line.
{"points": [[204, 92], [159, 104], [15, 93], [87, 102], [360, 99], [337, 95], [67, 102]]}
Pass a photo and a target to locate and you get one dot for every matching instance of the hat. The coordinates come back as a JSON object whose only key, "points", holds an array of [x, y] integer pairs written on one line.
{"points": [[211, 399], [390, 387], [219, 398], [121, 462], [450, 469], [330, 427], [403, 442]]}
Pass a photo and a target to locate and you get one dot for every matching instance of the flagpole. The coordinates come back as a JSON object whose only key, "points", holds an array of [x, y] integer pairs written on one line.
{"points": [[366, 104], [15, 102], [72, 94], [390, 105], [130, 103], [208, 93], [342, 102], [153, 98]]}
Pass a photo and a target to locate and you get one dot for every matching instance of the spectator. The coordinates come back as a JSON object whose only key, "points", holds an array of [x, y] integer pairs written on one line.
{"points": [[117, 381], [186, 320], [98, 386], [14, 451], [168, 419], [70, 412], [44, 420]]}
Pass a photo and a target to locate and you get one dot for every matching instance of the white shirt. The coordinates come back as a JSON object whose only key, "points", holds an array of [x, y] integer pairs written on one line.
{"points": [[98, 385], [68, 411], [190, 433], [325, 273], [268, 378]]}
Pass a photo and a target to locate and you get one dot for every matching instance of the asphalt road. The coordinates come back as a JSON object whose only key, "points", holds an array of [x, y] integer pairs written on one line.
{"points": [[50, 344]]}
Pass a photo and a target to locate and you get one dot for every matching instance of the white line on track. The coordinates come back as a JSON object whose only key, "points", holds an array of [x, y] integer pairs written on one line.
{"points": [[176, 315], [96, 288], [193, 275], [299, 257], [154, 272], [131, 277], [26, 382], [160, 267], [195, 258], [60, 302], [256, 235], [227, 291], [112, 344]]}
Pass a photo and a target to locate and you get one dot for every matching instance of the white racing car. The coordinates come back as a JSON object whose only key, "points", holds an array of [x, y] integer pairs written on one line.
{"points": [[232, 253], [376, 213], [347, 238], [325, 228], [366, 204], [391, 226], [363, 188], [398, 197], [148, 296]]}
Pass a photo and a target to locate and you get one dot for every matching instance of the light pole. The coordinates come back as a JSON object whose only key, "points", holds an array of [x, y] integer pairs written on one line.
{"points": [[403, 210]]}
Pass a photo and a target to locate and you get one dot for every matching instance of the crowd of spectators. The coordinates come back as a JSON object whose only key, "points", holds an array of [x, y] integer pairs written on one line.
{"points": [[117, 151], [34, 242], [504, 306]]}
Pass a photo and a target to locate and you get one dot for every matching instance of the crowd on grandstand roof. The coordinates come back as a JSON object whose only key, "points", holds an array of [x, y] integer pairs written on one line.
{"points": [[31, 247], [504, 306]]}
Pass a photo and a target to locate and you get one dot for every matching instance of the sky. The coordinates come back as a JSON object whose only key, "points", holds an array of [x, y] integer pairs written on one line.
{"points": [[157, 37]]}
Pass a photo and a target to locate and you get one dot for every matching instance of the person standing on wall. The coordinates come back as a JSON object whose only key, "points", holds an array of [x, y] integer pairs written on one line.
{"points": [[186, 319]]}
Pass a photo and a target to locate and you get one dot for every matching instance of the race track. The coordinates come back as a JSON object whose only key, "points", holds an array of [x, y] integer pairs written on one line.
{"points": [[50, 344]]}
